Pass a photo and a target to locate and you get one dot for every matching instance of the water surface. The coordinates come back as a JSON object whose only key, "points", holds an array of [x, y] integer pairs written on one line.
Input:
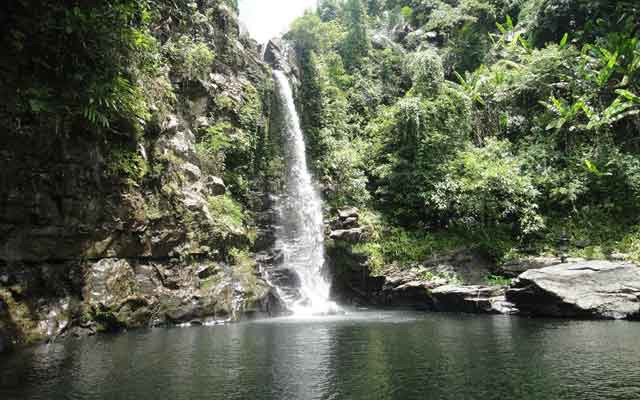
{"points": [[372, 355]]}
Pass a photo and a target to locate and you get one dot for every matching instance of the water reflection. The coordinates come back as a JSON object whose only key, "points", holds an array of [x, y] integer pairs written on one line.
{"points": [[362, 356]]}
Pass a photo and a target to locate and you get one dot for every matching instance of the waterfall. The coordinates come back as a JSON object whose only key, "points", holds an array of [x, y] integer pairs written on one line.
{"points": [[300, 233]]}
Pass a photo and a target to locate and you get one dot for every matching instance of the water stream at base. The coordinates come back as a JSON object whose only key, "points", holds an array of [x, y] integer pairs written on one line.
{"points": [[300, 235]]}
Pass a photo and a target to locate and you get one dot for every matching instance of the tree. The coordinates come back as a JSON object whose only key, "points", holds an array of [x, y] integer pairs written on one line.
{"points": [[375, 7], [328, 10], [356, 43]]}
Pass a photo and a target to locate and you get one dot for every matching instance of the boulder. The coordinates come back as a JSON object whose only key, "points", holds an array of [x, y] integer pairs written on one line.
{"points": [[206, 271], [285, 277], [192, 172], [593, 289], [273, 52], [380, 41], [350, 222], [400, 32], [216, 185], [349, 212], [414, 294], [347, 235], [514, 268], [281, 56], [171, 125]]}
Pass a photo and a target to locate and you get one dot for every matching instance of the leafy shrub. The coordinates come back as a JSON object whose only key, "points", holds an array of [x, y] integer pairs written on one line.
{"points": [[126, 162], [227, 213], [345, 173], [427, 72], [189, 58], [412, 141], [485, 187], [496, 280], [388, 244], [80, 62], [212, 147]]}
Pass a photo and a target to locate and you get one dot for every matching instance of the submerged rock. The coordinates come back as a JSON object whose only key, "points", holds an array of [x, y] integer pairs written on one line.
{"points": [[594, 289]]}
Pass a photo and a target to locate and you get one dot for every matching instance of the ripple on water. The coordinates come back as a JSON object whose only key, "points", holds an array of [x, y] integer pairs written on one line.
{"points": [[359, 355]]}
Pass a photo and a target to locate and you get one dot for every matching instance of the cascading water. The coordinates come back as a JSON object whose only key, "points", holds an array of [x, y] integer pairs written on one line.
{"points": [[300, 235]]}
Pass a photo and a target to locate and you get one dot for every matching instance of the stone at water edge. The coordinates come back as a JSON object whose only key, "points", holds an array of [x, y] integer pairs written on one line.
{"points": [[471, 299], [594, 289]]}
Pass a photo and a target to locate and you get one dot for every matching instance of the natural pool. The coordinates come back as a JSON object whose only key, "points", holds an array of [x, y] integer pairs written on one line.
{"points": [[363, 355]]}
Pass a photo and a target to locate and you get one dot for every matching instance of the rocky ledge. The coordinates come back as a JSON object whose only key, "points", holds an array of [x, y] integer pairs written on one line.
{"points": [[457, 282], [582, 289], [438, 287], [594, 289], [49, 300]]}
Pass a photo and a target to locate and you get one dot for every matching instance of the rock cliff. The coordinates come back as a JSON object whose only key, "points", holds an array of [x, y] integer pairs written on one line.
{"points": [[101, 234]]}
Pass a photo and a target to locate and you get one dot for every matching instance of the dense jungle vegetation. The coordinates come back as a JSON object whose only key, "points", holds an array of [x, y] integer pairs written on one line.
{"points": [[504, 124], [115, 72], [500, 124]]}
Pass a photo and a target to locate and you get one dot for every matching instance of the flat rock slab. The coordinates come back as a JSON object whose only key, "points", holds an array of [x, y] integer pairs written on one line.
{"points": [[592, 289]]}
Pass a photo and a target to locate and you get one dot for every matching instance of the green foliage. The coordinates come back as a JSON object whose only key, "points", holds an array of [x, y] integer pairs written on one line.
{"points": [[412, 141], [233, 4], [228, 151], [345, 173], [427, 72], [213, 145], [496, 280], [407, 12], [486, 187], [490, 121], [118, 97], [310, 33], [388, 245], [356, 43], [189, 58], [126, 162], [79, 62], [328, 10], [547, 20], [227, 213]]}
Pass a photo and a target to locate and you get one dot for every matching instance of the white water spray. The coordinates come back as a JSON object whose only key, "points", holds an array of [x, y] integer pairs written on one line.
{"points": [[301, 232]]}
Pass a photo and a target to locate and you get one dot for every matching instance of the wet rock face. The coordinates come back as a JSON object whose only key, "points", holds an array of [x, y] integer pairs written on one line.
{"points": [[452, 283], [47, 301], [38, 301], [281, 56], [593, 289], [444, 285], [345, 226], [84, 247]]}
